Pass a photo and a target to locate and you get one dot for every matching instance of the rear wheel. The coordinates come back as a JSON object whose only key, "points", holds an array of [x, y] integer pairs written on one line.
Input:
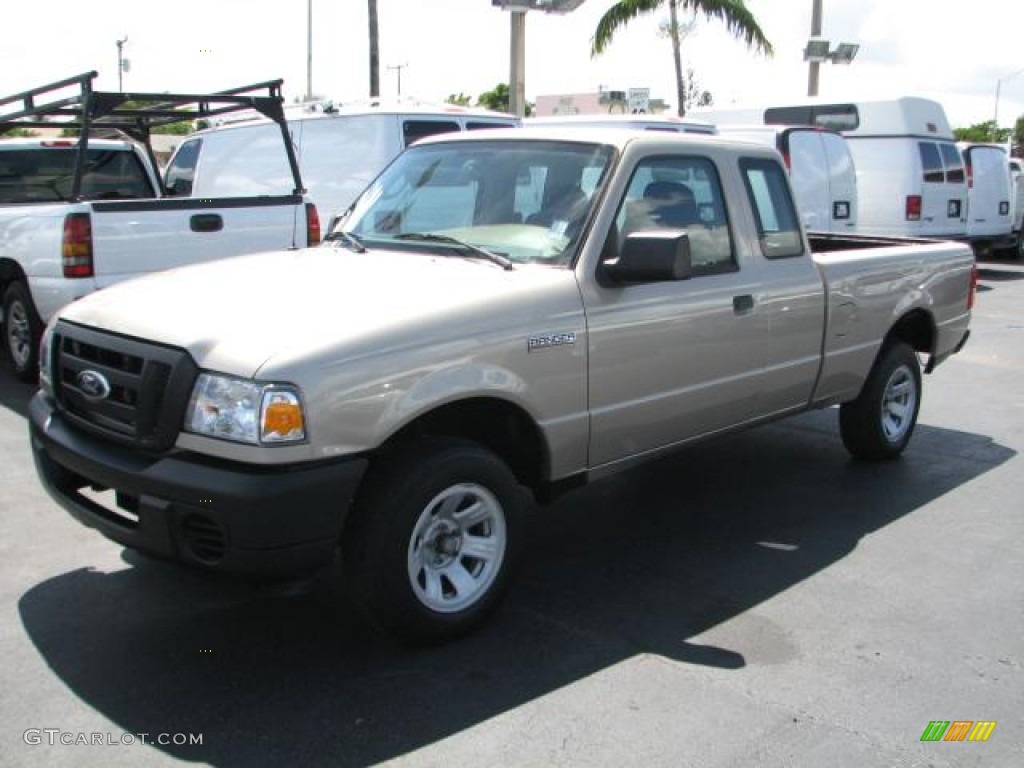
{"points": [[879, 423], [22, 330], [432, 540]]}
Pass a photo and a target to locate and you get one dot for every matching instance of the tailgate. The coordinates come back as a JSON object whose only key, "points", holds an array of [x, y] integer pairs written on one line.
{"points": [[136, 237]]}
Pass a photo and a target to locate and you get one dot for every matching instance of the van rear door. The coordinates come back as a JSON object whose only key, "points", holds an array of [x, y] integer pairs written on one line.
{"points": [[842, 179], [943, 199], [988, 193]]}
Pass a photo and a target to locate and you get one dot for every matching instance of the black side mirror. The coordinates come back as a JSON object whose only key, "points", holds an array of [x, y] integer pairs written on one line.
{"points": [[651, 257]]}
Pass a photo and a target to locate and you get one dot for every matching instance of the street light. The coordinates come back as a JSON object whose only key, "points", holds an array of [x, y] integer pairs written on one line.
{"points": [[517, 57], [123, 62], [995, 115], [818, 50]]}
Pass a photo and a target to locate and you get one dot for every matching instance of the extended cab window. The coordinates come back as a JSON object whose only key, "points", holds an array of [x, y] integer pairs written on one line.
{"points": [[778, 227], [680, 193]]}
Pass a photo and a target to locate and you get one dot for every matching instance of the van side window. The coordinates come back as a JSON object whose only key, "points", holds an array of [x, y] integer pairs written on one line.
{"points": [[954, 163], [417, 129], [685, 194], [476, 125], [182, 169], [931, 162], [777, 223]]}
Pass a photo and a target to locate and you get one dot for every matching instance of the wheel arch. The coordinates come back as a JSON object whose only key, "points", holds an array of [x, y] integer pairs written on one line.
{"points": [[499, 425], [917, 329], [10, 272]]}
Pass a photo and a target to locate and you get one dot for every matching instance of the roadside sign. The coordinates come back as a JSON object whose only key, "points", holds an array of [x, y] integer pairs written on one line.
{"points": [[638, 100]]}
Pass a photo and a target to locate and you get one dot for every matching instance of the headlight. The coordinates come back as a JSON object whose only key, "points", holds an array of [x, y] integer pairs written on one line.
{"points": [[45, 377], [245, 411]]}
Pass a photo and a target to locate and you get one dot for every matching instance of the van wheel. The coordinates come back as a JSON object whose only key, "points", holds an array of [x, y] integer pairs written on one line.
{"points": [[429, 549], [22, 330], [879, 423]]}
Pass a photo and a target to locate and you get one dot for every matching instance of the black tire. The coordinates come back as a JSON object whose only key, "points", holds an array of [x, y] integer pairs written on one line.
{"points": [[404, 551], [878, 425], [22, 331]]}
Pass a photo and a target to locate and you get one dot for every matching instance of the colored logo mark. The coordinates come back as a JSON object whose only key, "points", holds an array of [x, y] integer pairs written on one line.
{"points": [[958, 730]]}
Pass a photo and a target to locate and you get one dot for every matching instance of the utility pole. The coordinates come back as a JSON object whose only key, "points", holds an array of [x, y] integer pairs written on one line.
{"points": [[517, 62], [399, 68], [120, 63], [309, 50], [813, 67]]}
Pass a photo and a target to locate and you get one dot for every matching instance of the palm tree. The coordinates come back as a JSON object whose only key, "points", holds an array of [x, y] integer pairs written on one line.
{"points": [[734, 13], [371, 8]]}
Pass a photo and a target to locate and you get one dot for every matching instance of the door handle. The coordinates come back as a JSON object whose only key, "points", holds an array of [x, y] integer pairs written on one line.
{"points": [[742, 305], [206, 222]]}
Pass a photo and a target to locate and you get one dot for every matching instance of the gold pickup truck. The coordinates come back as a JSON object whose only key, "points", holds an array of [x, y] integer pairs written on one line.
{"points": [[500, 316]]}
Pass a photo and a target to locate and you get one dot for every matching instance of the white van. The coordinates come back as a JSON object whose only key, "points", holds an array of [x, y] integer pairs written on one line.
{"points": [[668, 123], [910, 175], [989, 196], [340, 150], [821, 171]]}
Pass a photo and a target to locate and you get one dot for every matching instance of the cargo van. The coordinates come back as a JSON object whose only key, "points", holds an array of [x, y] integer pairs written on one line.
{"points": [[639, 122], [340, 150], [821, 171], [911, 179], [989, 197]]}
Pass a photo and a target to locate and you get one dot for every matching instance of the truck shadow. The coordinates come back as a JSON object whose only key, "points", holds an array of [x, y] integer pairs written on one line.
{"points": [[14, 394], [642, 563]]}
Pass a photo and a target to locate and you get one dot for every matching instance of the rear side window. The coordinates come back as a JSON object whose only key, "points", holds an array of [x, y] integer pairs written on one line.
{"points": [[46, 174], [954, 163], [836, 117], [413, 130], [777, 224], [931, 162], [182, 170]]}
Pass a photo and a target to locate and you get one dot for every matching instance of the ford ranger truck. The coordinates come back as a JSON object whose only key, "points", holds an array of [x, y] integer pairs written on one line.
{"points": [[501, 316]]}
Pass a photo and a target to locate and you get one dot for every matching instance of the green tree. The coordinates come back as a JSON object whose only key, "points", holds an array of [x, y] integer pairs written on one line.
{"points": [[978, 132], [498, 98], [738, 20], [371, 10], [459, 99], [1018, 137], [18, 133]]}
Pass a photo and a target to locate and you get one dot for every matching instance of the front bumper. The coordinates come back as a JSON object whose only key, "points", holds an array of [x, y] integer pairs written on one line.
{"points": [[196, 510]]}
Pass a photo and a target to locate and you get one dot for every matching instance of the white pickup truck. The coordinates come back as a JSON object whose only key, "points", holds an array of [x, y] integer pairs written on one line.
{"points": [[502, 312], [79, 214]]}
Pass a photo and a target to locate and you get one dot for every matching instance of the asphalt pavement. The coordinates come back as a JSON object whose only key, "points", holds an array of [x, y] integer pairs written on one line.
{"points": [[758, 600]]}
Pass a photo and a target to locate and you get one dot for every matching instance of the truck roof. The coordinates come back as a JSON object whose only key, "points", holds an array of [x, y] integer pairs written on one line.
{"points": [[618, 137]]}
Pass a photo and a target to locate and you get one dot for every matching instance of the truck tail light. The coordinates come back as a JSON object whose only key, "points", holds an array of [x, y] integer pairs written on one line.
{"points": [[913, 208], [972, 291], [786, 160], [970, 175], [312, 225], [76, 247]]}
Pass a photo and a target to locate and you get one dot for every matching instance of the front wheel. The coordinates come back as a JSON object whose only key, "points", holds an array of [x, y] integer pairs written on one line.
{"points": [[432, 540], [879, 423], [22, 330]]}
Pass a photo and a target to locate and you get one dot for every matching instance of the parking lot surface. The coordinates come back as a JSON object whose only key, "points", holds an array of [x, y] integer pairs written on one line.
{"points": [[758, 600]]}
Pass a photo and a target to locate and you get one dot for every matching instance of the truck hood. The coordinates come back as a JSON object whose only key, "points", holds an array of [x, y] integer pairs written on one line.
{"points": [[238, 314]]}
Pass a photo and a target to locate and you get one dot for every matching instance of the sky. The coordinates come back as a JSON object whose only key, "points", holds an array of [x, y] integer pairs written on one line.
{"points": [[907, 47]]}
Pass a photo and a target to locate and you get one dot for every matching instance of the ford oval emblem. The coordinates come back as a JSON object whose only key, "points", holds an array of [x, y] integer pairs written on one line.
{"points": [[93, 385]]}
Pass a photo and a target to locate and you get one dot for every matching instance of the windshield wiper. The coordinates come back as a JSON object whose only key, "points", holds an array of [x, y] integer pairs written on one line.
{"points": [[351, 241], [475, 250]]}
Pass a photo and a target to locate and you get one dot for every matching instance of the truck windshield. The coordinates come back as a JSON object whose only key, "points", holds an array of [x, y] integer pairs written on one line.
{"points": [[527, 201], [46, 174]]}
